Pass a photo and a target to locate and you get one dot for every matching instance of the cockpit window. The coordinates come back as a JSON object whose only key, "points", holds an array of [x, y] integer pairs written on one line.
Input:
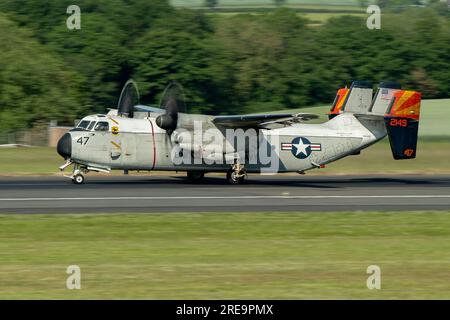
{"points": [[102, 126], [83, 124], [91, 125]]}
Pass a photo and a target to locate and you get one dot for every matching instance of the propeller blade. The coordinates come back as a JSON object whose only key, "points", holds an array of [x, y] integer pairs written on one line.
{"points": [[173, 102], [129, 97]]}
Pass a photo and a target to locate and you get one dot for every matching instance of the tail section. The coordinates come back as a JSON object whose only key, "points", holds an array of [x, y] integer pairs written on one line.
{"points": [[383, 97], [398, 109], [359, 98], [338, 103], [402, 123], [356, 100]]}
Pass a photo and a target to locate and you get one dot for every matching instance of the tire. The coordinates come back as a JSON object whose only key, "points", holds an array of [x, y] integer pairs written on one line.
{"points": [[231, 179], [195, 176], [78, 179]]}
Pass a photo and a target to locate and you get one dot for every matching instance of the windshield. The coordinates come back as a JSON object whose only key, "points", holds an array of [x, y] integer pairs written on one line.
{"points": [[91, 125], [83, 124]]}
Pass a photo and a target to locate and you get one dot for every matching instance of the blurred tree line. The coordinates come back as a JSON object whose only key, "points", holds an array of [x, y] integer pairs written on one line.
{"points": [[227, 64]]}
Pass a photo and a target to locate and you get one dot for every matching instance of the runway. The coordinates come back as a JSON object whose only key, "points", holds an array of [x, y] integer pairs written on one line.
{"points": [[155, 194]]}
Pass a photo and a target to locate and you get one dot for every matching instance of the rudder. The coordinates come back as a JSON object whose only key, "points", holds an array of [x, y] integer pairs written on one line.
{"points": [[402, 123]]}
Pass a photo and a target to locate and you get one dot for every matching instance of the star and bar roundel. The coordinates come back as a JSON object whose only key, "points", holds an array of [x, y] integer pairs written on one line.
{"points": [[301, 147]]}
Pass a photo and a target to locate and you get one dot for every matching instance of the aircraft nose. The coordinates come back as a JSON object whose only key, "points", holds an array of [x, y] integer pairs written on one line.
{"points": [[64, 147]]}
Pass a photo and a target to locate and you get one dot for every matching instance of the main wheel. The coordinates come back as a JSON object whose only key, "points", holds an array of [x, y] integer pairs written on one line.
{"points": [[234, 178], [78, 179], [195, 176]]}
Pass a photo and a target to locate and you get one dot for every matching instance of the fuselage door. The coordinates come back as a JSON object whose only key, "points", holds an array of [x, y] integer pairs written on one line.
{"points": [[99, 145]]}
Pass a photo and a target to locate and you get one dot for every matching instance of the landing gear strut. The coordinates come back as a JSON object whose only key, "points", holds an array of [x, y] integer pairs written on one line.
{"points": [[236, 174]]}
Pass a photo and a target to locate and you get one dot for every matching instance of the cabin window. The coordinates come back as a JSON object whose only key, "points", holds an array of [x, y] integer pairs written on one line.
{"points": [[102, 126], [83, 124], [91, 125]]}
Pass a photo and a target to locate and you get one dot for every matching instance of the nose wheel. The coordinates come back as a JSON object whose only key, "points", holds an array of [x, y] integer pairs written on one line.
{"points": [[78, 178]]}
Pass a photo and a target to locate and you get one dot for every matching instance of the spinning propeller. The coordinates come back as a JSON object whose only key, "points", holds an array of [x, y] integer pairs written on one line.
{"points": [[173, 102], [129, 98]]}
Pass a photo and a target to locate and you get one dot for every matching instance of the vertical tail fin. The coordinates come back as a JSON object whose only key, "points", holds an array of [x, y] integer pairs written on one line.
{"points": [[383, 97], [338, 103], [357, 99], [402, 123]]}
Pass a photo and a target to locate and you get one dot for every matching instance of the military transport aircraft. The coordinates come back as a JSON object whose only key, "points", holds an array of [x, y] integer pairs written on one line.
{"points": [[143, 138]]}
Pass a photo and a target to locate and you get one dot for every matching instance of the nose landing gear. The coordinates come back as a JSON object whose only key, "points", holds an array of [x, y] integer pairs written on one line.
{"points": [[79, 171], [78, 174], [78, 179]]}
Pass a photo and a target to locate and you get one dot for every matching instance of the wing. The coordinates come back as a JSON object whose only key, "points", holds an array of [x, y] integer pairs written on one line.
{"points": [[148, 108], [261, 120]]}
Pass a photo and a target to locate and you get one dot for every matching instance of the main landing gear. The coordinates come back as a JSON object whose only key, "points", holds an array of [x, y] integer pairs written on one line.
{"points": [[195, 176], [236, 174]]}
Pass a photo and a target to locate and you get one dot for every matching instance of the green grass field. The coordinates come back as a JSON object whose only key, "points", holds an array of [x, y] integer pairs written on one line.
{"points": [[226, 256], [23, 161]]}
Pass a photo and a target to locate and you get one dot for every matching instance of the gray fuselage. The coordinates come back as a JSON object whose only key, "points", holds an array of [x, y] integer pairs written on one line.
{"points": [[139, 144]]}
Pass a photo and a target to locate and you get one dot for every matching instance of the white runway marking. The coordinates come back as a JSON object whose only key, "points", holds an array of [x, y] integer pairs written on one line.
{"points": [[31, 184], [231, 197]]}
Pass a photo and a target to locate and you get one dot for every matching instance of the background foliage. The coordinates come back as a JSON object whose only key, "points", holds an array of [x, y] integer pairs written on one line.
{"points": [[233, 63]]}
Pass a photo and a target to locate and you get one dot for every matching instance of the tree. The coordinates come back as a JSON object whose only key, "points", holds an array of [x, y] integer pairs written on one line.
{"points": [[211, 3], [227, 64], [97, 52], [36, 83], [363, 3], [383, 3], [280, 2], [173, 49], [100, 50]]}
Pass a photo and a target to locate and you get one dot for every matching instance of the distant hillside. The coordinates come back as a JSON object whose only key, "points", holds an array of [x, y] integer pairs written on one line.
{"points": [[244, 3]]}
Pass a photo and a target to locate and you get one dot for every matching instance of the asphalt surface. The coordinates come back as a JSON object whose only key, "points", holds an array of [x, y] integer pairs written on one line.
{"points": [[152, 194]]}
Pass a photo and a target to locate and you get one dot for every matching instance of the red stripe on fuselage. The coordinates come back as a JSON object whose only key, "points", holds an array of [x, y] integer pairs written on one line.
{"points": [[154, 145]]}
